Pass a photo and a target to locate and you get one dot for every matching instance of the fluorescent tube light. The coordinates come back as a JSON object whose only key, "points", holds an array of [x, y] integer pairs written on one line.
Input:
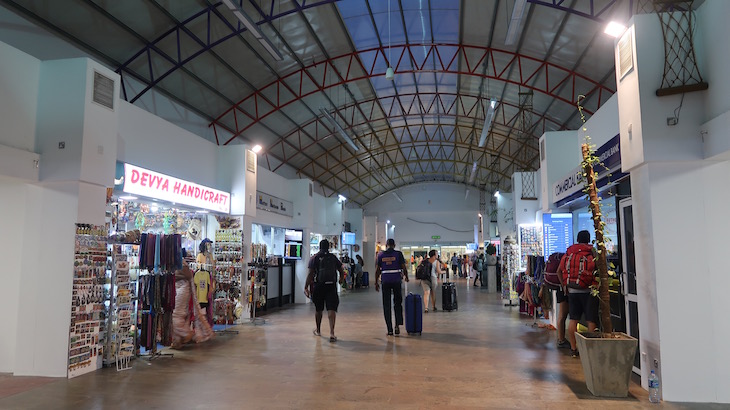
{"points": [[466, 195], [614, 29], [396, 196], [473, 173], [253, 29], [487, 122], [339, 128], [341, 198], [515, 21]]}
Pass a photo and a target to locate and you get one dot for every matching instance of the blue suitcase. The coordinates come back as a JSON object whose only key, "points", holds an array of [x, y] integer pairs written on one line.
{"points": [[366, 279], [414, 314]]}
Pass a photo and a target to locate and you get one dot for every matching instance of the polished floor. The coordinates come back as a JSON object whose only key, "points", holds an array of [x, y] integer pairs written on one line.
{"points": [[483, 356]]}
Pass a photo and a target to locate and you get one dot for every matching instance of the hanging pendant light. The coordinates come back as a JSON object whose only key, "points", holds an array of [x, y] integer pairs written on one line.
{"points": [[389, 73]]}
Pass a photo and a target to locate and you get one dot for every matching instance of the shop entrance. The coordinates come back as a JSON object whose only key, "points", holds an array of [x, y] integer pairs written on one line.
{"points": [[628, 277]]}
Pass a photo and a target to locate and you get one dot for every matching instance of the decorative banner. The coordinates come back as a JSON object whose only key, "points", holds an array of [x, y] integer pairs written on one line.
{"points": [[273, 204], [140, 181]]}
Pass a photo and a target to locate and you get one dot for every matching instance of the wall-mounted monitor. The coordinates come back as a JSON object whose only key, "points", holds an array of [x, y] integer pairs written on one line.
{"points": [[348, 238], [293, 235], [293, 250]]}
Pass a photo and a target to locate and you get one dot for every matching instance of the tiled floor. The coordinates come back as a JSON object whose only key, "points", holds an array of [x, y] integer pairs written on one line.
{"points": [[482, 356]]}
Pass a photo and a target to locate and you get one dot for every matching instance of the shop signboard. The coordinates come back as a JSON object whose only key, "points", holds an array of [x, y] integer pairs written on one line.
{"points": [[140, 181], [571, 185], [273, 204]]}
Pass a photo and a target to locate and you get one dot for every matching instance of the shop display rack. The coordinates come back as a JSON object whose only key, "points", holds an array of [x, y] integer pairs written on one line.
{"points": [[228, 253], [256, 290], [88, 311]]}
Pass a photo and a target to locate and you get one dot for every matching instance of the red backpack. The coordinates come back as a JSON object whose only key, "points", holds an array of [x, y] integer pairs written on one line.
{"points": [[579, 266], [551, 278]]}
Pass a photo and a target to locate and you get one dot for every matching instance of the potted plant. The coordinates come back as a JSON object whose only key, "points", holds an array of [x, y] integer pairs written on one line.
{"points": [[607, 357]]}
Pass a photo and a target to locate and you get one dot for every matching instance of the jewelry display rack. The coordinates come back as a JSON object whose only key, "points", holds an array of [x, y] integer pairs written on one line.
{"points": [[257, 276], [88, 317], [228, 271]]}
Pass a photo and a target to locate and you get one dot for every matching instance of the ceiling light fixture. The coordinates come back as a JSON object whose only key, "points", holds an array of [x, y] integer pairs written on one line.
{"points": [[467, 194], [496, 193], [395, 194], [515, 21], [615, 29], [388, 221], [339, 129], [253, 29], [256, 148], [473, 173], [341, 198], [488, 121], [389, 73]]}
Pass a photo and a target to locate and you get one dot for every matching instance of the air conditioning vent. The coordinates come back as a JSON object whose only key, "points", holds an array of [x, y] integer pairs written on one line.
{"points": [[103, 91], [625, 54], [250, 161]]}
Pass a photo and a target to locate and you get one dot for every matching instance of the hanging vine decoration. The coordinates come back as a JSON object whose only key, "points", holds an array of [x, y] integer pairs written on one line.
{"points": [[590, 161]]}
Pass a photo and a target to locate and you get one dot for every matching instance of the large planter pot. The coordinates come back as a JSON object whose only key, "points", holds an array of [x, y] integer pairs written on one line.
{"points": [[607, 362]]}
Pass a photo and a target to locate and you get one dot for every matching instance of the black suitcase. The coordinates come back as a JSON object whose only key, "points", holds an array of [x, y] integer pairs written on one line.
{"points": [[448, 296]]}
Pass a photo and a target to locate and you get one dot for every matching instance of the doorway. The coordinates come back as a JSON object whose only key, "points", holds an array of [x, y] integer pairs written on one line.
{"points": [[628, 276]]}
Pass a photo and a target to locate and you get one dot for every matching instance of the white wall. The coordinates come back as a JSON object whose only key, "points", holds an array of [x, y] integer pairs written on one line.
{"points": [[19, 98], [427, 209], [506, 215], [13, 208], [562, 154], [525, 210], [677, 195], [600, 127], [153, 143]]}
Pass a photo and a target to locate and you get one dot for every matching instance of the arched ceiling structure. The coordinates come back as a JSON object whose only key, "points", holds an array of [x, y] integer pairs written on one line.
{"points": [[451, 59]]}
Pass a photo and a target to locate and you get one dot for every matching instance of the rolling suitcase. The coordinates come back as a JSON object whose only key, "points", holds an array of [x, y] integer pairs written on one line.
{"points": [[448, 297], [366, 279], [414, 314]]}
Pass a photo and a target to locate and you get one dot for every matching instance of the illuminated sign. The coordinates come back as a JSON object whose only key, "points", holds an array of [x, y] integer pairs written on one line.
{"points": [[140, 181]]}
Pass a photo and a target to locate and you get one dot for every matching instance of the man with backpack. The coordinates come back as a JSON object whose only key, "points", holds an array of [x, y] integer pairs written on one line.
{"points": [[577, 267], [321, 285], [391, 267]]}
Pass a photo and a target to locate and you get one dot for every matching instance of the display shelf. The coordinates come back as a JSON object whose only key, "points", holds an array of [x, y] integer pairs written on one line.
{"points": [[228, 251], [88, 311]]}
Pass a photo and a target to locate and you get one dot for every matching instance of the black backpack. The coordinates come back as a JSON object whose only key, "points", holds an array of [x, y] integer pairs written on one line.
{"points": [[325, 268], [423, 271]]}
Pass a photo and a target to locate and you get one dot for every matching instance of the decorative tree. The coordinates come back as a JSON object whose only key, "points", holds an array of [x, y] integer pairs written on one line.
{"points": [[589, 177]]}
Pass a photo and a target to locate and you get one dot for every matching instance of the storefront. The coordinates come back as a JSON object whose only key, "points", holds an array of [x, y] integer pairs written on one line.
{"points": [[560, 229], [155, 223]]}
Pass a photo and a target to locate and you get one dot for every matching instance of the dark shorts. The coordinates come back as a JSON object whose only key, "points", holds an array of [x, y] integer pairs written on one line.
{"points": [[583, 303], [325, 295], [560, 296]]}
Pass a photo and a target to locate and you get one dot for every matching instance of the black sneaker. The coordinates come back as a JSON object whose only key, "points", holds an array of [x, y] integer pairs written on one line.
{"points": [[390, 333], [564, 344], [397, 330], [574, 353]]}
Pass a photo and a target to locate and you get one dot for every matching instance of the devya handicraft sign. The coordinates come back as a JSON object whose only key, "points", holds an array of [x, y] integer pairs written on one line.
{"points": [[140, 181]]}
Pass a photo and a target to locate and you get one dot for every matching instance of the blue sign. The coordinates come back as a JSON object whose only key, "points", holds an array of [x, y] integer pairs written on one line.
{"points": [[557, 232], [571, 187]]}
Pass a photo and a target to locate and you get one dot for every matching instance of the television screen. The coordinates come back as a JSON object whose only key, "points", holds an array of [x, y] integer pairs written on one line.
{"points": [[557, 232], [293, 235], [348, 238], [293, 250]]}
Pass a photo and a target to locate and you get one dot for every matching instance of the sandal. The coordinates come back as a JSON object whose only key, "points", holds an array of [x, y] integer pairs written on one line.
{"points": [[316, 333], [333, 339]]}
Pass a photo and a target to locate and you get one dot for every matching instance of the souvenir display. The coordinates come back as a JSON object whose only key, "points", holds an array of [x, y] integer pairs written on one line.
{"points": [[88, 317]]}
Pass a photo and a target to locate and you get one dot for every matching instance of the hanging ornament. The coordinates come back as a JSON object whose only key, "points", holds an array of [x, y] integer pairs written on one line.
{"points": [[139, 221]]}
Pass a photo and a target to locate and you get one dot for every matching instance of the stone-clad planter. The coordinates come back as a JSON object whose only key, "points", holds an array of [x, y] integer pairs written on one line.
{"points": [[607, 362]]}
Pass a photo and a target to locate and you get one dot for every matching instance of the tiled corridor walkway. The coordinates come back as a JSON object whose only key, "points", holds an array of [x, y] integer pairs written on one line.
{"points": [[482, 356]]}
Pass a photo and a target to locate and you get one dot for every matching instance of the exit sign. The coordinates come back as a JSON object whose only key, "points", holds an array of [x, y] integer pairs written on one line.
{"points": [[436, 237]]}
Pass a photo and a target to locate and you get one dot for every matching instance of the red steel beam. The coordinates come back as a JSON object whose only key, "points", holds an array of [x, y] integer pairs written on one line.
{"points": [[302, 83]]}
